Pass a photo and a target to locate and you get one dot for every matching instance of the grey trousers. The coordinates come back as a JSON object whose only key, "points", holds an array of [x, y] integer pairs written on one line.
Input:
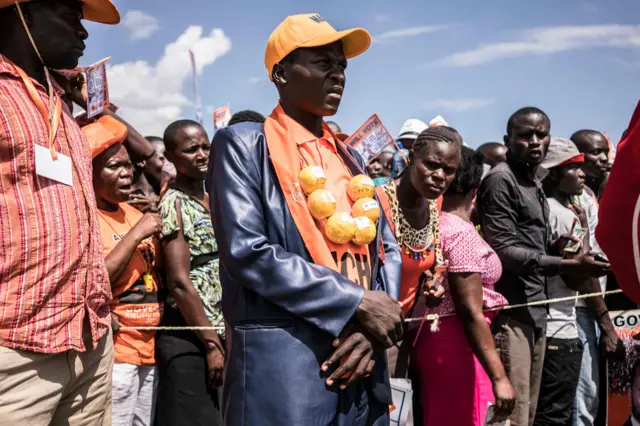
{"points": [[521, 348]]}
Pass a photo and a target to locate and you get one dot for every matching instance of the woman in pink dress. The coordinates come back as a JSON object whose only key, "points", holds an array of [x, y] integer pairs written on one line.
{"points": [[460, 371]]}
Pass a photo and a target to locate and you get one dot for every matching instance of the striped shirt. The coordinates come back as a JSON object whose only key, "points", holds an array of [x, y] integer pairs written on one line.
{"points": [[52, 272]]}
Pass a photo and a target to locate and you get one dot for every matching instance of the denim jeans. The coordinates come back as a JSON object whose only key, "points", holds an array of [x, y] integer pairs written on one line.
{"points": [[560, 376], [585, 407]]}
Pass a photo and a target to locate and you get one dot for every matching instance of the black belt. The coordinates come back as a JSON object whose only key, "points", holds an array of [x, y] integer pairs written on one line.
{"points": [[203, 259]]}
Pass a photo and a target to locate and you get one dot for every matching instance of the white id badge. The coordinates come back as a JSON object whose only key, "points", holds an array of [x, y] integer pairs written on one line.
{"points": [[58, 170]]}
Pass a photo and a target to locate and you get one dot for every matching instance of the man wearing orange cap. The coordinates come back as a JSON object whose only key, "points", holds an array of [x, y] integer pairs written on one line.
{"points": [[308, 319], [55, 340]]}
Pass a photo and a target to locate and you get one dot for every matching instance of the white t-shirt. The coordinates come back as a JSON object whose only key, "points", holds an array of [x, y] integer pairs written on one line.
{"points": [[589, 203], [561, 319]]}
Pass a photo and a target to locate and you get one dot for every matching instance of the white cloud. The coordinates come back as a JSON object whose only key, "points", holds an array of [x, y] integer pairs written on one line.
{"points": [[458, 105], [541, 41], [409, 32], [139, 24], [151, 96]]}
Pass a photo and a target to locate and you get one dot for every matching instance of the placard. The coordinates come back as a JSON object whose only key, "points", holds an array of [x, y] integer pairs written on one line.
{"points": [[371, 138], [97, 88], [221, 117], [401, 412]]}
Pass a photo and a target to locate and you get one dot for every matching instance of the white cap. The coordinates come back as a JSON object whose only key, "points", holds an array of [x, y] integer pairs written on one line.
{"points": [[438, 120], [412, 128], [561, 152]]}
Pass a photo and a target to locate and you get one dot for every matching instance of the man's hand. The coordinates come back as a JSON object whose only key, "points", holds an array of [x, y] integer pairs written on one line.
{"points": [[79, 90], [433, 289], [215, 365], [144, 203], [612, 347], [381, 316], [581, 213], [355, 350], [585, 265]]}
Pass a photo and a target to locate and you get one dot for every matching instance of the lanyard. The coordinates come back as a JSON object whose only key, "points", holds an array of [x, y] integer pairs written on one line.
{"points": [[141, 252], [52, 125]]}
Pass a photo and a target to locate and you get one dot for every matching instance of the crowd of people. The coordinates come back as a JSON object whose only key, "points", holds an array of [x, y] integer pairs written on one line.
{"points": [[270, 276]]}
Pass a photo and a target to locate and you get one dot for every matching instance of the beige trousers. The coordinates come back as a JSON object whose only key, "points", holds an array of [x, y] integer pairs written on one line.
{"points": [[70, 388], [521, 349]]}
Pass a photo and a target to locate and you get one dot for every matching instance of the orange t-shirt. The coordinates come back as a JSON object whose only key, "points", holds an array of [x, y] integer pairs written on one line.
{"points": [[353, 260], [135, 300], [412, 268], [411, 271]]}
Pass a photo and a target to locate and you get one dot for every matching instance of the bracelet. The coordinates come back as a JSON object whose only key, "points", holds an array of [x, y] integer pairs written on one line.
{"points": [[215, 344]]}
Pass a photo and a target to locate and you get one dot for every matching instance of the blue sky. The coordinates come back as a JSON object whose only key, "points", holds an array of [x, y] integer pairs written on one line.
{"points": [[472, 62]]}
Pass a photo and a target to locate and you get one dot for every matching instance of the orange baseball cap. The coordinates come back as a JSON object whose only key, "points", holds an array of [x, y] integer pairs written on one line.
{"points": [[311, 30], [103, 11]]}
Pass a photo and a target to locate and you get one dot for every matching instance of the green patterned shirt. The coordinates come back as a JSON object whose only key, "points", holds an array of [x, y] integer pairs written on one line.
{"points": [[198, 232]]}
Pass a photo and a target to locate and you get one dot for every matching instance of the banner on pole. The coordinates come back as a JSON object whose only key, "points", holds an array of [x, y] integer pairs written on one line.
{"points": [[371, 138], [221, 117], [196, 91]]}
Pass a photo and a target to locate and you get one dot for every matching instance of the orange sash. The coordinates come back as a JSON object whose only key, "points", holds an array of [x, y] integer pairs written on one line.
{"points": [[286, 162]]}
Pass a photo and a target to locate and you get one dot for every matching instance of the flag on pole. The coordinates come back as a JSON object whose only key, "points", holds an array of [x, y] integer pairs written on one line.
{"points": [[196, 91], [221, 117], [618, 230]]}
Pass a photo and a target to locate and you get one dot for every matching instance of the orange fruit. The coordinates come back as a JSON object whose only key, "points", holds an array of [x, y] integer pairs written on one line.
{"points": [[365, 231], [311, 178], [321, 203], [360, 186], [340, 228], [366, 207]]}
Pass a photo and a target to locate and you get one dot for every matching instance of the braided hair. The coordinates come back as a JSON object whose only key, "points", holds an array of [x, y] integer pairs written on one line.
{"points": [[436, 135]]}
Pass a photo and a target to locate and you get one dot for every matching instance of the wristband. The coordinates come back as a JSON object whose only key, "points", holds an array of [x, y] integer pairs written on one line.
{"points": [[212, 344]]}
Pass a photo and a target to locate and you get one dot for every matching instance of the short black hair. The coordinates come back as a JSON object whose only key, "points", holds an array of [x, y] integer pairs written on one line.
{"points": [[335, 124], [522, 112], [489, 146], [154, 139], [246, 115], [580, 137], [469, 173], [437, 134], [171, 132]]}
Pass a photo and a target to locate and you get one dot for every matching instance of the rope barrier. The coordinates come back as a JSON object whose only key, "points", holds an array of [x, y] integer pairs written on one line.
{"points": [[435, 317], [429, 317]]}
